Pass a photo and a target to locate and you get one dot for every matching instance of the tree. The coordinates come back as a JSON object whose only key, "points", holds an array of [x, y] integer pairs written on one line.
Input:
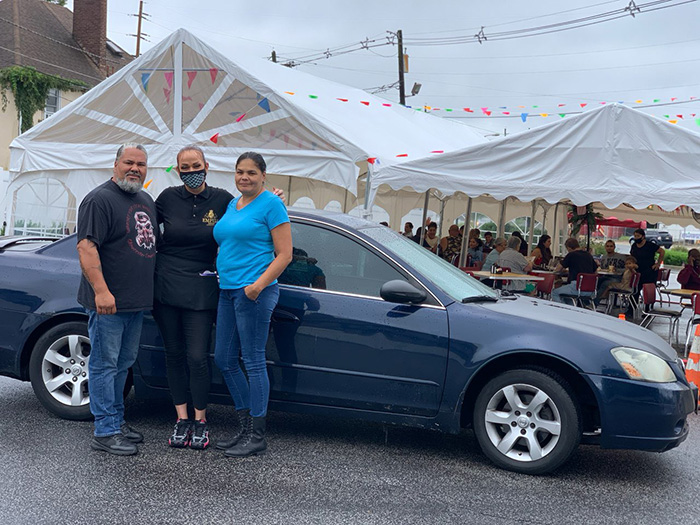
{"points": [[62, 3]]}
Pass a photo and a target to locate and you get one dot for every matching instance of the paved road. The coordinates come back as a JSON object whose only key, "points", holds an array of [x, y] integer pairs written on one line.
{"points": [[319, 471]]}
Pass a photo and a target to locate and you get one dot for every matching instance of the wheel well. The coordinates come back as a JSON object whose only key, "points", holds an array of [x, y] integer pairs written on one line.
{"points": [[38, 332], [590, 412]]}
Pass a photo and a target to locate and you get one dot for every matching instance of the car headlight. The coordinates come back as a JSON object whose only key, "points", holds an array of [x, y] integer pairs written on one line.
{"points": [[643, 366]]}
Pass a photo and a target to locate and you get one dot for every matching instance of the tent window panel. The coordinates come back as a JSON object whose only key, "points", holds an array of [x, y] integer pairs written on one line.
{"points": [[156, 79], [53, 102], [284, 134], [238, 100], [120, 102], [77, 129]]}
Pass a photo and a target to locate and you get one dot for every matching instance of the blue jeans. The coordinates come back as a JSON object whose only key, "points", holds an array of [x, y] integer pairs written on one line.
{"points": [[242, 327], [114, 341], [567, 289]]}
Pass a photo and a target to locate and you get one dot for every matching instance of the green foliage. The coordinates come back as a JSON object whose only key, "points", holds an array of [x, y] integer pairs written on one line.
{"points": [[62, 3], [588, 218], [598, 248], [30, 89], [675, 257]]}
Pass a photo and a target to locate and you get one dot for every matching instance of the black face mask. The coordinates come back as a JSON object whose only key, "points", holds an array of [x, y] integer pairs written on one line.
{"points": [[193, 179], [639, 241]]}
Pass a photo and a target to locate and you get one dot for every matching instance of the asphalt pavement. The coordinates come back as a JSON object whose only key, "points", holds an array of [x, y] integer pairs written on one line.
{"points": [[319, 470]]}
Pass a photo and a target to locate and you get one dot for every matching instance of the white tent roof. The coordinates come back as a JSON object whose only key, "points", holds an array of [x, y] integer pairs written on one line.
{"points": [[613, 155], [183, 91]]}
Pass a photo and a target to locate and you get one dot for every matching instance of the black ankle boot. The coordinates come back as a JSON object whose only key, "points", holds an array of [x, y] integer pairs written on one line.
{"points": [[253, 442], [243, 416]]}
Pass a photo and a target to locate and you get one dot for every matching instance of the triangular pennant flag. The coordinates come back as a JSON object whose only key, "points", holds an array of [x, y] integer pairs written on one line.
{"points": [[402, 155], [364, 102], [667, 116], [240, 118], [561, 105], [313, 96], [488, 113], [469, 110], [169, 78], [342, 99], [145, 77], [447, 109], [191, 75], [371, 160], [438, 151], [387, 105], [523, 116], [215, 138], [200, 106], [638, 101], [169, 169], [535, 106], [603, 103], [484, 111], [679, 116], [657, 100], [427, 108], [265, 104], [562, 115], [692, 114], [186, 98], [674, 98], [673, 121], [213, 72], [289, 92], [544, 114], [147, 184], [167, 92], [583, 104], [506, 112]]}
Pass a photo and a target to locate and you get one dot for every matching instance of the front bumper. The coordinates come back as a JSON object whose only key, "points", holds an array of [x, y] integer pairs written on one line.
{"points": [[643, 416]]}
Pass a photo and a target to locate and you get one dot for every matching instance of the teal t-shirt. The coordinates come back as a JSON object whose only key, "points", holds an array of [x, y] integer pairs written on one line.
{"points": [[245, 240]]}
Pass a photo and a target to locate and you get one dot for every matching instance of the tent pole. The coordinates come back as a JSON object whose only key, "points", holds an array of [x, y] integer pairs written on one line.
{"points": [[425, 216], [177, 93], [442, 217], [531, 233], [345, 202], [502, 219], [465, 236], [555, 232], [367, 213], [289, 190]]}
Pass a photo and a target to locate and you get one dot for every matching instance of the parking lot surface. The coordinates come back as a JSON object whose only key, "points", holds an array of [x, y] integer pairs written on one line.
{"points": [[319, 470]]}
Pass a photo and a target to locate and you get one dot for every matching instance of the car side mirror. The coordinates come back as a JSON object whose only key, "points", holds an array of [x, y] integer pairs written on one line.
{"points": [[399, 291]]}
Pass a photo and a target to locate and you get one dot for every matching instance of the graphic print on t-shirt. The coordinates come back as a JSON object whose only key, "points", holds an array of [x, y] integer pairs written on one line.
{"points": [[139, 230]]}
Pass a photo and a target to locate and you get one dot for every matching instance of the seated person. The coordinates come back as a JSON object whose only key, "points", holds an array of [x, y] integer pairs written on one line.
{"points": [[475, 251], [492, 258], [577, 261], [516, 261], [523, 244], [689, 276], [302, 271], [488, 240], [626, 284], [542, 255], [431, 240], [451, 245], [612, 258]]}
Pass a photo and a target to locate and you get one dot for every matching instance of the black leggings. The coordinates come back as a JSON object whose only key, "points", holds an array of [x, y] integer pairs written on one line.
{"points": [[186, 335]]}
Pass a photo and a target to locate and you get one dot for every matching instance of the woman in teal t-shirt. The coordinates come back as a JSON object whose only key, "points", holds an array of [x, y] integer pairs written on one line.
{"points": [[255, 246]]}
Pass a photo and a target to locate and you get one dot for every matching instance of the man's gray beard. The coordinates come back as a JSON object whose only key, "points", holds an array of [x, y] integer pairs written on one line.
{"points": [[129, 186]]}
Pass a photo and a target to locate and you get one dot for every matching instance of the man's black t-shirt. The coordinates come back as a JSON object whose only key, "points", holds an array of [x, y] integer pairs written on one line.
{"points": [[122, 225], [578, 262], [645, 256], [187, 247]]}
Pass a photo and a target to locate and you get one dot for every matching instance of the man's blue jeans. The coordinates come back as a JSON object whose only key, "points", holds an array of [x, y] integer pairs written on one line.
{"points": [[567, 289], [114, 341], [242, 327]]}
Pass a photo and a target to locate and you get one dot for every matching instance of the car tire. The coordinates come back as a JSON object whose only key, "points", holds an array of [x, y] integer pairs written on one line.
{"points": [[527, 421], [58, 369]]}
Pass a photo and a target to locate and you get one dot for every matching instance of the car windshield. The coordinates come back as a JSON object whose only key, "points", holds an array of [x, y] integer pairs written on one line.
{"points": [[450, 279]]}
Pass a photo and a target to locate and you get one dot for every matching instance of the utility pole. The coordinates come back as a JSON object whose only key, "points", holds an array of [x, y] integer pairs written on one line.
{"points": [[402, 93], [274, 56], [138, 29]]}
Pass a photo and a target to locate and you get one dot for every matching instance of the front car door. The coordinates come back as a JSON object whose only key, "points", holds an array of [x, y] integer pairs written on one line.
{"points": [[336, 342]]}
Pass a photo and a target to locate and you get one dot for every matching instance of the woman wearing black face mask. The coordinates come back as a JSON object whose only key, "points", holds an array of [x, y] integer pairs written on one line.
{"points": [[187, 291], [645, 253]]}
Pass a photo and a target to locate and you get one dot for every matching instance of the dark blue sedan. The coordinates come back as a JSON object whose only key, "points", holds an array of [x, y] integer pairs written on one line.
{"points": [[371, 326]]}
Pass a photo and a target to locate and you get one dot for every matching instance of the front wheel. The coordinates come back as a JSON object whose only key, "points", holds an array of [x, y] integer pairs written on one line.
{"points": [[527, 421]]}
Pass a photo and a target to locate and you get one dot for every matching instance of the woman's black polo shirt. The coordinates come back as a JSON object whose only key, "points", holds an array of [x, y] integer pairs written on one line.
{"points": [[187, 247]]}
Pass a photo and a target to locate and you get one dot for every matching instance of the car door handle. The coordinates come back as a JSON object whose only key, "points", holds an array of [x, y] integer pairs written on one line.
{"points": [[284, 317]]}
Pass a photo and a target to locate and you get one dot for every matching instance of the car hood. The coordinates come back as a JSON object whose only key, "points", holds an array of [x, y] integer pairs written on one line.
{"points": [[618, 332]]}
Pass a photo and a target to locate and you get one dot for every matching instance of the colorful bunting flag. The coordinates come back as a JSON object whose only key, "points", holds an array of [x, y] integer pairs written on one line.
{"points": [[215, 138], [657, 100], [562, 115], [241, 117], [169, 78], [289, 92], [191, 75], [402, 155], [145, 77], [673, 121], [485, 111], [469, 110], [523, 116], [387, 105], [544, 115], [364, 102], [147, 184], [583, 104], [638, 101], [313, 96], [673, 99], [169, 169], [167, 92], [371, 160], [265, 104], [438, 151], [342, 99], [212, 73]]}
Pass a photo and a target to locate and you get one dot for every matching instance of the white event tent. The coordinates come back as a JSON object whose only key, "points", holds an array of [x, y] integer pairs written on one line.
{"points": [[315, 133]]}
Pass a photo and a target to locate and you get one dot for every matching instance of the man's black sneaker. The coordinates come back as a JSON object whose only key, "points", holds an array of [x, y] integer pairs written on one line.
{"points": [[131, 434], [116, 444], [182, 433], [200, 435]]}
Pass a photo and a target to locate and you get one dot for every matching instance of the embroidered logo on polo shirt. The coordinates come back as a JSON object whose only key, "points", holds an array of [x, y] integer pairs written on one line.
{"points": [[210, 219]]}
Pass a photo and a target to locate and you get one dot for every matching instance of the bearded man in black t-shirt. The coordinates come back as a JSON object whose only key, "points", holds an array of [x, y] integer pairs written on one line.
{"points": [[116, 248]]}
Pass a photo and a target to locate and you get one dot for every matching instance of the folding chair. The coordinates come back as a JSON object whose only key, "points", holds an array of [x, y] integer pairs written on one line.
{"points": [[544, 288], [663, 277], [585, 282], [624, 298], [649, 313]]}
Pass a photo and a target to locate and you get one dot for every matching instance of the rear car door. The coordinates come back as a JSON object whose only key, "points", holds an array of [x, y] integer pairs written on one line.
{"points": [[336, 342]]}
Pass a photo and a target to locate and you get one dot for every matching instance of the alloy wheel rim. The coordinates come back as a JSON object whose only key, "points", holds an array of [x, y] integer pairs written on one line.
{"points": [[64, 370]]}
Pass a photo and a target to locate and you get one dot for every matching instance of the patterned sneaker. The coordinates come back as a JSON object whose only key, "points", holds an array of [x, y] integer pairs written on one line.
{"points": [[182, 433], [200, 436]]}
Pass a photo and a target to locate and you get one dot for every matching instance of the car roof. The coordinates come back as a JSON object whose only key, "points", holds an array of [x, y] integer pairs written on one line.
{"points": [[332, 217]]}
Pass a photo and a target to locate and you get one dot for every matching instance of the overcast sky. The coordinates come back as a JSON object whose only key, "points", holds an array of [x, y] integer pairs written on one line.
{"points": [[653, 55]]}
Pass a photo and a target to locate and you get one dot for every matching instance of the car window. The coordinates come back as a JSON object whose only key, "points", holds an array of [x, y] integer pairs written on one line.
{"points": [[64, 249], [327, 259]]}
